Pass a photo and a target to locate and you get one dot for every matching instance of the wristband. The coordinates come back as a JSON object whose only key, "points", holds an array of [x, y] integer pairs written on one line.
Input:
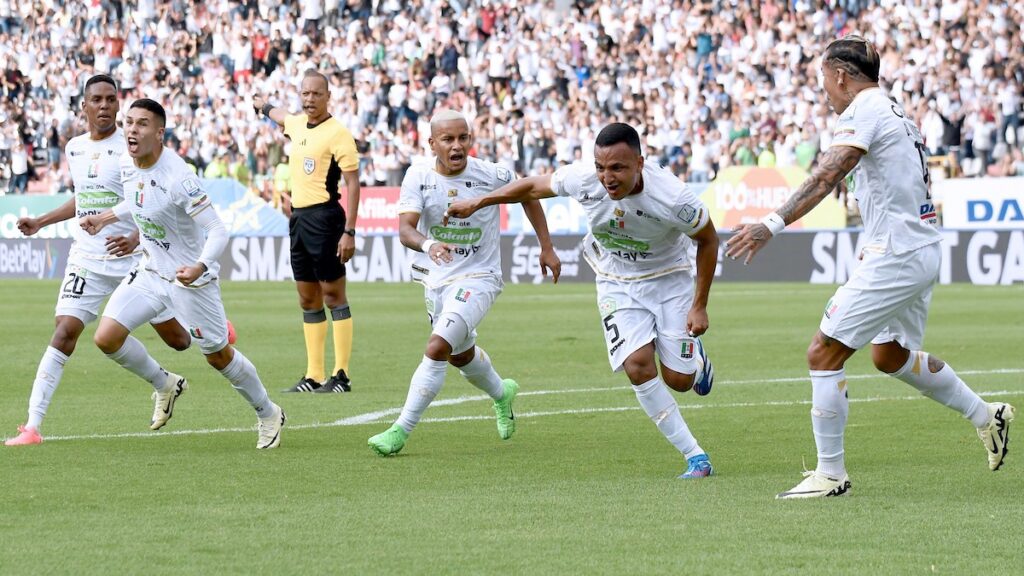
{"points": [[774, 222], [425, 247], [266, 110]]}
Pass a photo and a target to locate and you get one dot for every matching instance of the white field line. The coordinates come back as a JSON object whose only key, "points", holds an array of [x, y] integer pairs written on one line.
{"points": [[383, 416]]}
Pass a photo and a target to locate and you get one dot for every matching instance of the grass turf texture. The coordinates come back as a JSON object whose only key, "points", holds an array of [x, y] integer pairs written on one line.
{"points": [[586, 485]]}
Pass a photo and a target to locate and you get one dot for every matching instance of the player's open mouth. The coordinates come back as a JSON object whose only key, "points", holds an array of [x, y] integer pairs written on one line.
{"points": [[132, 143], [457, 157]]}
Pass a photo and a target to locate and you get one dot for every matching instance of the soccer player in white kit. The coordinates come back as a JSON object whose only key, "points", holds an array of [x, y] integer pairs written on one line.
{"points": [[885, 302], [183, 238], [643, 222], [96, 265], [460, 270]]}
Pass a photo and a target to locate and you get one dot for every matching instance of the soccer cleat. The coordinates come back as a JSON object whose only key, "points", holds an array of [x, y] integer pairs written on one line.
{"points": [[817, 485], [390, 441], [697, 467], [304, 385], [270, 429], [503, 409], [996, 434], [336, 383], [26, 437], [232, 335], [702, 382], [164, 400]]}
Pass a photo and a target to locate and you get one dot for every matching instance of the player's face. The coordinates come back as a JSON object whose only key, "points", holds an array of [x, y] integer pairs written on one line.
{"points": [[142, 132], [314, 94], [618, 169], [101, 107], [450, 142]]}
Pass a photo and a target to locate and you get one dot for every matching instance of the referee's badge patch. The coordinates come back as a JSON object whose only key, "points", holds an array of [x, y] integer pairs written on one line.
{"points": [[308, 165]]}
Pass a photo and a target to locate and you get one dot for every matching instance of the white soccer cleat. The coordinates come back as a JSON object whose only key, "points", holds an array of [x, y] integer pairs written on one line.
{"points": [[817, 485], [996, 434], [164, 400], [270, 429]]}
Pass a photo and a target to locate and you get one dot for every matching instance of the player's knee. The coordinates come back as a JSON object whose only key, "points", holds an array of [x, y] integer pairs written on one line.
{"points": [[639, 370], [889, 357], [221, 358], [438, 348], [108, 341], [180, 340], [65, 337]]}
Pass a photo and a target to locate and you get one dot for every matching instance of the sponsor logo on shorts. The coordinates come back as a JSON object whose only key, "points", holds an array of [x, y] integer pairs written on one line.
{"points": [[462, 295], [607, 306], [617, 346], [831, 308], [308, 165], [686, 352]]}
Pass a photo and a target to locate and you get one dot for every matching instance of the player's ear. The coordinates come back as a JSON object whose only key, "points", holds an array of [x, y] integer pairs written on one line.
{"points": [[640, 162]]}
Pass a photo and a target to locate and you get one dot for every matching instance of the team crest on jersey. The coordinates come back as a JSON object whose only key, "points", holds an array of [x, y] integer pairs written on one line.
{"points": [[619, 213], [308, 165], [607, 306], [94, 170], [453, 193], [462, 295], [686, 352], [504, 175], [96, 156]]}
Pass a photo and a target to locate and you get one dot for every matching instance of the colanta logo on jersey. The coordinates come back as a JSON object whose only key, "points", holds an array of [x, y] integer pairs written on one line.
{"points": [[452, 235]]}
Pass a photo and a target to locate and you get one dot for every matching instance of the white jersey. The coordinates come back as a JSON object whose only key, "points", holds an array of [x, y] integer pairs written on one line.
{"points": [[477, 238], [95, 172], [163, 200], [890, 182], [642, 236]]}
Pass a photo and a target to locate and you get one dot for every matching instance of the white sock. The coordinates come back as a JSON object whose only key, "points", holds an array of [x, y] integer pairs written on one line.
{"points": [[243, 377], [426, 382], [830, 408], [661, 406], [51, 368], [944, 386], [134, 358], [480, 373]]}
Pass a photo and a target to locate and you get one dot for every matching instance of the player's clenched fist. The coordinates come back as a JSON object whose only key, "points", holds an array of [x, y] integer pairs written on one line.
{"points": [[460, 209], [92, 223], [28, 225]]}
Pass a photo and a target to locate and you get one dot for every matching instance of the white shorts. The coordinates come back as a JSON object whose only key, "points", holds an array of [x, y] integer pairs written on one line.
{"points": [[470, 299], [885, 300], [634, 314], [87, 284], [145, 296]]}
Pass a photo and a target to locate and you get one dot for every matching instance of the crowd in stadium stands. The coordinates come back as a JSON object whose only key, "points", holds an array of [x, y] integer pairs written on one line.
{"points": [[708, 83]]}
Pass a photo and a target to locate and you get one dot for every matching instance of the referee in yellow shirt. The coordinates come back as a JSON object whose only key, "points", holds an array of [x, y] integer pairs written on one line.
{"points": [[322, 233]]}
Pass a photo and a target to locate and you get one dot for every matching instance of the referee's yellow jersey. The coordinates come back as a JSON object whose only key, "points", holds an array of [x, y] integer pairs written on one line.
{"points": [[318, 157]]}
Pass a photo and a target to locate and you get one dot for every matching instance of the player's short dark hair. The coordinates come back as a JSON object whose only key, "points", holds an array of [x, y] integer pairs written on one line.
{"points": [[617, 132], [855, 55], [151, 106], [99, 79]]}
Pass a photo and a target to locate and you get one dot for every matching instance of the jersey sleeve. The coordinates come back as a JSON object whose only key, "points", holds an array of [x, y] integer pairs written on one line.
{"points": [[856, 127], [290, 122], [501, 176], [691, 213], [343, 149], [568, 180], [191, 195], [411, 199]]}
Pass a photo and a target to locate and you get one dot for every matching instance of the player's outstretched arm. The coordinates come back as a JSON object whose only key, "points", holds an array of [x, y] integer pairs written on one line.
{"points": [[835, 164], [274, 113], [548, 258], [532, 188], [413, 239], [707, 260], [29, 225]]}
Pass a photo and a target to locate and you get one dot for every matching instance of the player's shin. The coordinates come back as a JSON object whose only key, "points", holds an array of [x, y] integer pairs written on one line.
{"points": [[659, 404], [426, 383], [133, 357], [830, 408], [243, 377], [943, 386], [48, 375]]}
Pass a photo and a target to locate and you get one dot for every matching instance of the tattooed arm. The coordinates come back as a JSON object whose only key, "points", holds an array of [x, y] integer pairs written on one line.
{"points": [[835, 164]]}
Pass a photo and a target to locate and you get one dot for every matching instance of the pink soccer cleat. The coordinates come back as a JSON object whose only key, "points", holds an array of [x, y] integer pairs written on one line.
{"points": [[232, 336], [27, 437]]}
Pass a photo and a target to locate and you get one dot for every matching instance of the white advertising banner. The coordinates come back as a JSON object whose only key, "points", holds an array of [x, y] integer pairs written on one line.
{"points": [[981, 203]]}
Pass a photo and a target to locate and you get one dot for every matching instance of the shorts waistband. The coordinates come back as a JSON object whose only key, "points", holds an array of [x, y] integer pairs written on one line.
{"points": [[329, 205]]}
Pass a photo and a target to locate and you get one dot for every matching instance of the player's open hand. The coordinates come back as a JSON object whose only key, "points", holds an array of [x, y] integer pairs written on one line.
{"points": [[28, 225], [122, 245], [346, 248], [459, 209], [440, 252], [549, 260], [697, 321], [92, 224], [188, 274], [747, 240]]}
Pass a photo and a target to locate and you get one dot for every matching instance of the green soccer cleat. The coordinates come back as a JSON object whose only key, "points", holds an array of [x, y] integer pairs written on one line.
{"points": [[503, 410], [390, 441]]}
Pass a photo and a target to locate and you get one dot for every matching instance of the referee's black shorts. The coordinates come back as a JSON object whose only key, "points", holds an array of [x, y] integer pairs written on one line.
{"points": [[315, 232]]}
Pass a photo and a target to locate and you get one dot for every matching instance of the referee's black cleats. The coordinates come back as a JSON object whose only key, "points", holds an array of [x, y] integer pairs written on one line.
{"points": [[305, 385], [336, 384]]}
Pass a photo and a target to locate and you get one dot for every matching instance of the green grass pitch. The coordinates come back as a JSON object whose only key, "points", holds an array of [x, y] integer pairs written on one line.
{"points": [[587, 485]]}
